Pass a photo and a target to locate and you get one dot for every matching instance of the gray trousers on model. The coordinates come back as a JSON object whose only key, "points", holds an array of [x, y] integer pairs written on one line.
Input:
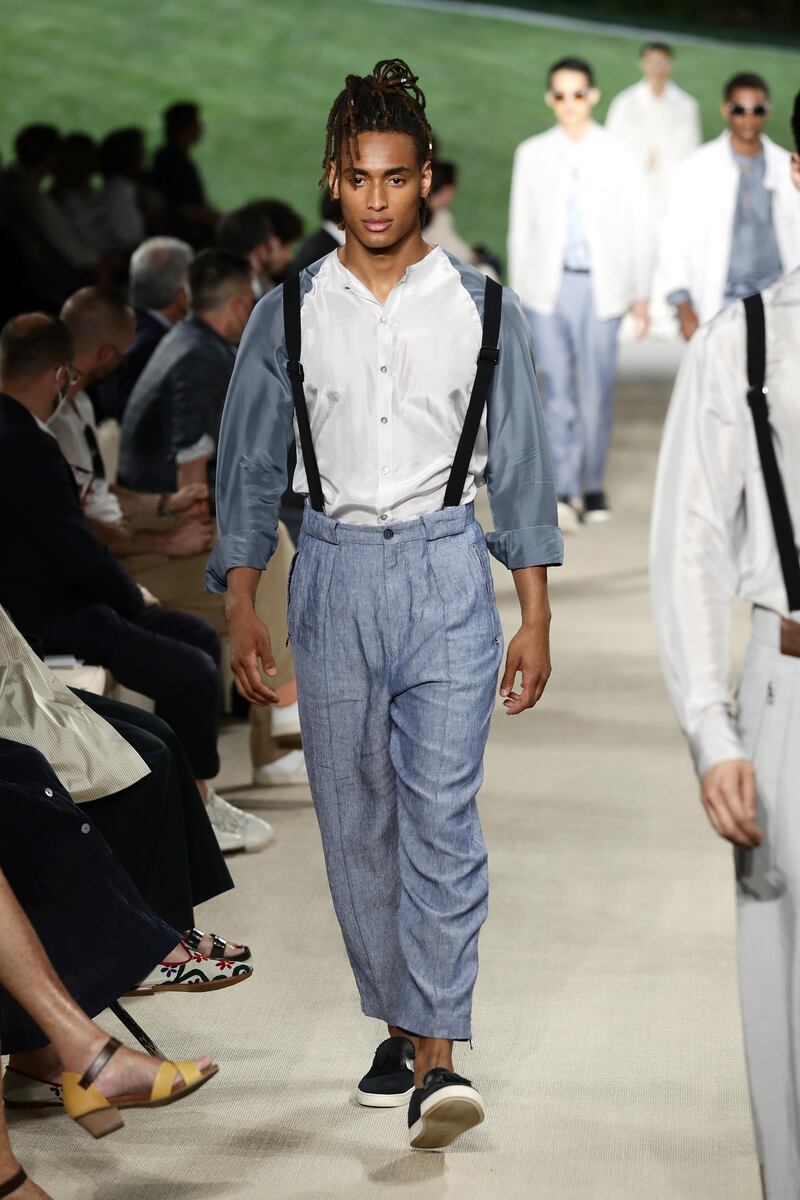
{"points": [[397, 644], [769, 906], [576, 360]]}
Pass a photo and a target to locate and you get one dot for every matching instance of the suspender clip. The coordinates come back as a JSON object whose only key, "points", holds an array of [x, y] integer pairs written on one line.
{"points": [[756, 394], [295, 369], [489, 354]]}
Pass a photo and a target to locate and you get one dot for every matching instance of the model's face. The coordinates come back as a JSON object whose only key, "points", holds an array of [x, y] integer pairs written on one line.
{"points": [[656, 66], [746, 111], [380, 189], [571, 98]]}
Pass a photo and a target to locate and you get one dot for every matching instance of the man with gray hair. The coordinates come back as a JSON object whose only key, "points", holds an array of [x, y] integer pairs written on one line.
{"points": [[158, 285]]}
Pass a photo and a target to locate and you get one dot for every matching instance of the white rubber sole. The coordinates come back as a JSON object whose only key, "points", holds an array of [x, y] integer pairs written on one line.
{"points": [[596, 516], [395, 1100], [445, 1116]]}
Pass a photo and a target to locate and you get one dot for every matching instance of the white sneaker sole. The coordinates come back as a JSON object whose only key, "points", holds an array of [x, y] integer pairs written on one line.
{"points": [[596, 517], [285, 729], [445, 1116], [374, 1100]]}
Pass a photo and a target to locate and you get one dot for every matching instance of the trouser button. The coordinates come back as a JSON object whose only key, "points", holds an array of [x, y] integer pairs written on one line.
{"points": [[388, 533]]}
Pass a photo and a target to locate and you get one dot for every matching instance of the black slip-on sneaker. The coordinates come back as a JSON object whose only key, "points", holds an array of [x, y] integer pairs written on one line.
{"points": [[446, 1106], [595, 508], [390, 1081]]}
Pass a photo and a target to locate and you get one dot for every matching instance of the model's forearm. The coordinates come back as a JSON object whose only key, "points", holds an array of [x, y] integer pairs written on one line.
{"points": [[242, 586], [534, 602]]}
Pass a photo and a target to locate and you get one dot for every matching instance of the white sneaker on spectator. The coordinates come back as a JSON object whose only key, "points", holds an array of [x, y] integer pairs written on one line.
{"points": [[285, 721], [252, 832], [228, 842], [288, 769]]}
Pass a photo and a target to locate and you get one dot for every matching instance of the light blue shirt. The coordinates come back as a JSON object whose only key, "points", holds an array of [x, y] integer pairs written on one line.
{"points": [[755, 258], [577, 256]]}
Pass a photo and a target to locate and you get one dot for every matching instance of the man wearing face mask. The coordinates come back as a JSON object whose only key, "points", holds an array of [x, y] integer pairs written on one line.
{"points": [[733, 223], [63, 589], [171, 422], [579, 253]]}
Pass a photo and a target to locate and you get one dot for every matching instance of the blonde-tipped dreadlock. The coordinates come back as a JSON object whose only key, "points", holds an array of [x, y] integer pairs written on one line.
{"points": [[387, 101]]}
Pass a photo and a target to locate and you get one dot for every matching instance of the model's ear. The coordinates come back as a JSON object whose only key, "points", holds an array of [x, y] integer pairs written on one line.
{"points": [[548, 98], [425, 185], [333, 180], [594, 96]]}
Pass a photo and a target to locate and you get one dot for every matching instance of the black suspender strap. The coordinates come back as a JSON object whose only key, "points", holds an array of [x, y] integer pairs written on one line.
{"points": [[776, 494], [291, 328], [488, 359]]}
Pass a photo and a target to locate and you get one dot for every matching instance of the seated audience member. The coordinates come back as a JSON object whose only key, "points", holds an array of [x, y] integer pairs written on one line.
{"points": [[62, 587], [176, 177], [68, 930], [328, 237], [168, 558], [171, 422], [441, 229], [248, 232], [158, 287], [288, 227], [74, 193], [50, 254], [122, 162]]}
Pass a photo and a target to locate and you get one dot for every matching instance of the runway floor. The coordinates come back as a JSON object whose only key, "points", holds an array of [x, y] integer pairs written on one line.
{"points": [[607, 1045]]}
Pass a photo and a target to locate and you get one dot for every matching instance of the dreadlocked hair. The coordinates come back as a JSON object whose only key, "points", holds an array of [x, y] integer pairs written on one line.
{"points": [[389, 100]]}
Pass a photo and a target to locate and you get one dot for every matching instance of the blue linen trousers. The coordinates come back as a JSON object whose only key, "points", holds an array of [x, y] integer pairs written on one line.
{"points": [[576, 359], [397, 643]]}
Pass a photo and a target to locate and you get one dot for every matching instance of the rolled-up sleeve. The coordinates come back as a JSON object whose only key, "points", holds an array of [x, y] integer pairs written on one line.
{"points": [[255, 435], [519, 474]]}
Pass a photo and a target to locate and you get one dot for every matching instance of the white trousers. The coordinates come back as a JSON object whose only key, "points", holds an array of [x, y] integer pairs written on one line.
{"points": [[768, 905]]}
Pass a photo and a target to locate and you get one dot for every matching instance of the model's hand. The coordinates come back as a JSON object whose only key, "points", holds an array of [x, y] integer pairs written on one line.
{"points": [[529, 654], [189, 538], [728, 793], [796, 171], [189, 499], [250, 643], [640, 311], [688, 320]]}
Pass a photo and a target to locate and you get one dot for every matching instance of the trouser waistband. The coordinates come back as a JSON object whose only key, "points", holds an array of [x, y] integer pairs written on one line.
{"points": [[445, 523]]}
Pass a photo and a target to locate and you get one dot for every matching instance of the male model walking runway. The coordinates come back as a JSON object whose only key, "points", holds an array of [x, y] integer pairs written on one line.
{"points": [[392, 616], [725, 520]]}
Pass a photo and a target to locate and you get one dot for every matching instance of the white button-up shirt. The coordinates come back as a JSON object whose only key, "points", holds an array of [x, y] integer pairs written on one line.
{"points": [[385, 374], [68, 425], [712, 534]]}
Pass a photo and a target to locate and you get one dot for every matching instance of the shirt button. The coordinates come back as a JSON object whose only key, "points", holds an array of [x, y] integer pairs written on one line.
{"points": [[48, 791], [383, 320], [384, 517], [387, 533], [384, 470], [384, 420], [85, 827], [383, 370]]}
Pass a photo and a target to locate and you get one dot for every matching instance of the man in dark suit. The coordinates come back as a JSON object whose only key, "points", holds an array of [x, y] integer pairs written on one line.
{"points": [[158, 281], [324, 239], [63, 589], [171, 422]]}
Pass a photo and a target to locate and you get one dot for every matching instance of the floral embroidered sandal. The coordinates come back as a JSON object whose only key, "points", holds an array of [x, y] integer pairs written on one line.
{"points": [[194, 938], [195, 974]]}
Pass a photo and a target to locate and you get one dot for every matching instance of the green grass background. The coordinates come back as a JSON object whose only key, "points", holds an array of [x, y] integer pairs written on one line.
{"points": [[266, 72]]}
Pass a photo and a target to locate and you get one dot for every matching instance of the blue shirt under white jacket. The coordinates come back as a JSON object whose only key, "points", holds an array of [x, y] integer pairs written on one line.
{"points": [[387, 388]]}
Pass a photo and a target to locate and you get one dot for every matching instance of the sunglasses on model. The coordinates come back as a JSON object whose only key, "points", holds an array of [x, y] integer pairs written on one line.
{"points": [[560, 97], [748, 110]]}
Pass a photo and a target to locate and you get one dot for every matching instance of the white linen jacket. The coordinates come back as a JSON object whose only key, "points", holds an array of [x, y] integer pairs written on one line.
{"points": [[616, 220], [695, 246]]}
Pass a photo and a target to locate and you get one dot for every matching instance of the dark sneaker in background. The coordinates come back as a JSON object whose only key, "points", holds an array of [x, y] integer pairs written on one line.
{"points": [[390, 1080], [446, 1106], [595, 508]]}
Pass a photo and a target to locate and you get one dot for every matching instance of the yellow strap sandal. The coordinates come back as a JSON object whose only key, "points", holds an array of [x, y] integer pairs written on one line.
{"points": [[87, 1105]]}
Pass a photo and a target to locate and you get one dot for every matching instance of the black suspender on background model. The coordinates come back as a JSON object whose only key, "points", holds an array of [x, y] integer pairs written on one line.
{"points": [[776, 494], [488, 359]]}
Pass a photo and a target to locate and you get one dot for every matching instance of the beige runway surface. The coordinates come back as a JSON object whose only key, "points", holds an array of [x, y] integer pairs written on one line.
{"points": [[607, 1036]]}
